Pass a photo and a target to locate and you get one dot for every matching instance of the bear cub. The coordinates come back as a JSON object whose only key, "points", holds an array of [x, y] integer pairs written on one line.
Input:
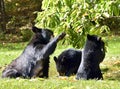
{"points": [[68, 62], [34, 60], [92, 55]]}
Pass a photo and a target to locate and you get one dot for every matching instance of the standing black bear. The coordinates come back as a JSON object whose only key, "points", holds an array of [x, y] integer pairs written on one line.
{"points": [[68, 62], [34, 61], [92, 55]]}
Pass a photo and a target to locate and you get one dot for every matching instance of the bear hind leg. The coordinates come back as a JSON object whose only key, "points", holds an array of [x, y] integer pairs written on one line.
{"points": [[10, 73]]}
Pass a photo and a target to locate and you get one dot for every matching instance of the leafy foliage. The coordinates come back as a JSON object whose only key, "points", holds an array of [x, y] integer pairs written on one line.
{"points": [[16, 18], [77, 17]]}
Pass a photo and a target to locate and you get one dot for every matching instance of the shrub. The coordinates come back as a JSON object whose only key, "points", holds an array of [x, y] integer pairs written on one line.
{"points": [[76, 17]]}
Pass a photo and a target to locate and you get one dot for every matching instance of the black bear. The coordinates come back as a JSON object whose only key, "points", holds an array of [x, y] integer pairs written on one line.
{"points": [[68, 62], [34, 60], [92, 55]]}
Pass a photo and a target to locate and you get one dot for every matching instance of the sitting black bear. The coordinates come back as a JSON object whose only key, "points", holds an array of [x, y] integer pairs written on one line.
{"points": [[68, 62], [34, 61], [92, 55]]}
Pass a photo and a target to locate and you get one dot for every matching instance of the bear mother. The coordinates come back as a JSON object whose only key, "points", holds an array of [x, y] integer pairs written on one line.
{"points": [[34, 60], [92, 55]]}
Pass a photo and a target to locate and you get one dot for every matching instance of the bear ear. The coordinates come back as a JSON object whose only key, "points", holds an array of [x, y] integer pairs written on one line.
{"points": [[35, 29], [89, 36], [99, 38], [55, 58]]}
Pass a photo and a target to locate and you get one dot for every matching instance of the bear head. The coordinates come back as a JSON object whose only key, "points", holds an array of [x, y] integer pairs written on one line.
{"points": [[42, 36]]}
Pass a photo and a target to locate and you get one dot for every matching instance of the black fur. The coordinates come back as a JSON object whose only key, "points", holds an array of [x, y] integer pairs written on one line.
{"points": [[34, 61], [92, 55], [68, 62]]}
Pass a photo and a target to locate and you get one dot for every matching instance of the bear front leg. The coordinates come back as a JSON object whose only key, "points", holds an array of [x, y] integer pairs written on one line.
{"points": [[50, 47]]}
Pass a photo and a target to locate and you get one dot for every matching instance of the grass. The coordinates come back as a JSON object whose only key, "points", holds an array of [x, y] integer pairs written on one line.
{"points": [[110, 68]]}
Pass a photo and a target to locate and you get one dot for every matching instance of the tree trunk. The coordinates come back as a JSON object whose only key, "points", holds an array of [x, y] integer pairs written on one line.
{"points": [[2, 16]]}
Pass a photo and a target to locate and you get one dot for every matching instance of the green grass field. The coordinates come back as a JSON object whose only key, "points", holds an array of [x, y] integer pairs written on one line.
{"points": [[110, 68]]}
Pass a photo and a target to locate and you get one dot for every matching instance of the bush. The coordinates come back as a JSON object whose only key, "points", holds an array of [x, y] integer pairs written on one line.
{"points": [[76, 17]]}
